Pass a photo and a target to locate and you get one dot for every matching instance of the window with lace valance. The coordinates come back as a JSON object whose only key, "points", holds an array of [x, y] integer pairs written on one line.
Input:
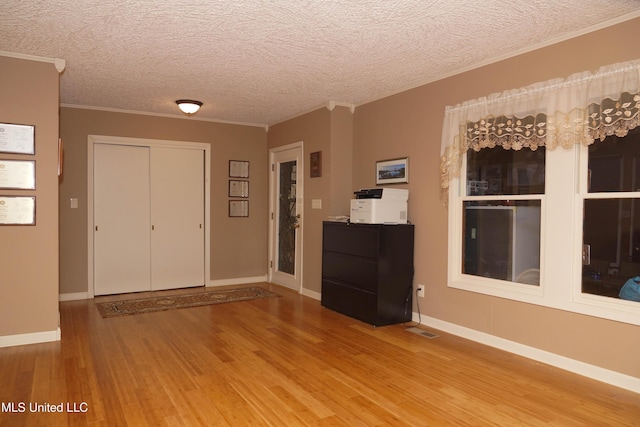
{"points": [[537, 211]]}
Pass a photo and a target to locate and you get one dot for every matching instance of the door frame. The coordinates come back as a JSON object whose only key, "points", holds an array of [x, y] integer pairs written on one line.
{"points": [[273, 194], [143, 142]]}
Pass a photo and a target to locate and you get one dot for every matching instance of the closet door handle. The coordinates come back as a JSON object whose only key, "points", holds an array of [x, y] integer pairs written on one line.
{"points": [[153, 227]]}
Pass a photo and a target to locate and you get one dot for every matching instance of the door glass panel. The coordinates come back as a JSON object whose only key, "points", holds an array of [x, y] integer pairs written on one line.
{"points": [[287, 219]]}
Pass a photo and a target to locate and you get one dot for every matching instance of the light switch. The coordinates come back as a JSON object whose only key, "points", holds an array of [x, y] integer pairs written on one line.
{"points": [[316, 203], [74, 203]]}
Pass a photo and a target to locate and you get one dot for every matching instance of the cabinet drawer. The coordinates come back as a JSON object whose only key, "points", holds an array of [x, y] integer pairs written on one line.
{"points": [[361, 240], [355, 303], [361, 273]]}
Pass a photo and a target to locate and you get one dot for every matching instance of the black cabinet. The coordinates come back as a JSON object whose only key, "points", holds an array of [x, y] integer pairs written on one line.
{"points": [[367, 271]]}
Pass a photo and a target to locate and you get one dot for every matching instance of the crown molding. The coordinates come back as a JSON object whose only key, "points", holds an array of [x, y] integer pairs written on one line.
{"points": [[59, 63], [329, 105], [172, 116], [333, 104]]}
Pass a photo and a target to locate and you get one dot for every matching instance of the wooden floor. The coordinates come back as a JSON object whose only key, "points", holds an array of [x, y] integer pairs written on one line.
{"points": [[285, 362]]}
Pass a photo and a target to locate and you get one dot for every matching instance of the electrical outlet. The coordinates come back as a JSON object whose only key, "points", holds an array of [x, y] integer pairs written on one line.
{"points": [[420, 291]]}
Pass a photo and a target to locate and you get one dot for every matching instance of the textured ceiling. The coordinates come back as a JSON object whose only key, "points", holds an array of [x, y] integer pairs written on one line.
{"points": [[261, 62]]}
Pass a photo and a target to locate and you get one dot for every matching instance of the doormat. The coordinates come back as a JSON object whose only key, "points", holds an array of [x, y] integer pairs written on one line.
{"points": [[162, 303]]}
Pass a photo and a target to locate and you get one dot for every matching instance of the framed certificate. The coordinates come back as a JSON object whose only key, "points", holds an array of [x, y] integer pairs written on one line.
{"points": [[18, 174], [238, 208], [238, 169], [18, 139], [17, 210], [238, 188]]}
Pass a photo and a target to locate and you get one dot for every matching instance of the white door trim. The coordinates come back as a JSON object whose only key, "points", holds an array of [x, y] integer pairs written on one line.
{"points": [[272, 198], [101, 139]]}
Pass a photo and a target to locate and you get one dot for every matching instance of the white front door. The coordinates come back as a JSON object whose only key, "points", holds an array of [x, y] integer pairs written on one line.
{"points": [[286, 206]]}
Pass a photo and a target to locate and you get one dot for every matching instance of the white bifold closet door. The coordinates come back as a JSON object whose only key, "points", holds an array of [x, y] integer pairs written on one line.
{"points": [[149, 218]]}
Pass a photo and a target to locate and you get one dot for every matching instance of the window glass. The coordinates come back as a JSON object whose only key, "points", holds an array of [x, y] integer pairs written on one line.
{"points": [[496, 171], [611, 225], [614, 164], [502, 240]]}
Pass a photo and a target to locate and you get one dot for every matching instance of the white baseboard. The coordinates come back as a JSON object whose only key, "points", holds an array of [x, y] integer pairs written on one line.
{"points": [[238, 281], [32, 338], [311, 294], [74, 296], [587, 370]]}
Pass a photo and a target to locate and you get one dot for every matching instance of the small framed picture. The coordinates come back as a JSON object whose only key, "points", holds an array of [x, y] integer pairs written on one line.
{"points": [[18, 139], [17, 210], [238, 208], [393, 171], [238, 169], [18, 174], [316, 164], [238, 188]]}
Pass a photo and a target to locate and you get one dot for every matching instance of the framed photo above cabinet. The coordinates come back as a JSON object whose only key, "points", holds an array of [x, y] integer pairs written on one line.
{"points": [[393, 171]]}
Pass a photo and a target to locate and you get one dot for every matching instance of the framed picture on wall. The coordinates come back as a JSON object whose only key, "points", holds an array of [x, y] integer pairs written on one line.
{"points": [[18, 174], [393, 171], [238, 169], [17, 210], [316, 164], [238, 188], [18, 139], [238, 208]]}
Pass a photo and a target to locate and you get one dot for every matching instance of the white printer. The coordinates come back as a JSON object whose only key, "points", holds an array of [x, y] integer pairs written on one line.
{"points": [[379, 206]]}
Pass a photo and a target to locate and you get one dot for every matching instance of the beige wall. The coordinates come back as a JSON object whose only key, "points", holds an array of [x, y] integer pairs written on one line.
{"points": [[238, 245], [29, 254], [410, 123], [340, 160], [331, 132]]}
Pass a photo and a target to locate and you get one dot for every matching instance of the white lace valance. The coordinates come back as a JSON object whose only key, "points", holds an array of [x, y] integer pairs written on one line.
{"points": [[508, 132], [561, 112]]}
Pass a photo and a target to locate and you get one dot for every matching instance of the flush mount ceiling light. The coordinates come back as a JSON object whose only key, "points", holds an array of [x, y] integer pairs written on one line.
{"points": [[189, 106]]}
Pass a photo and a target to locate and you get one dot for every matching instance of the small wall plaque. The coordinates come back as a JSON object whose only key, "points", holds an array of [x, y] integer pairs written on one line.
{"points": [[316, 164]]}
